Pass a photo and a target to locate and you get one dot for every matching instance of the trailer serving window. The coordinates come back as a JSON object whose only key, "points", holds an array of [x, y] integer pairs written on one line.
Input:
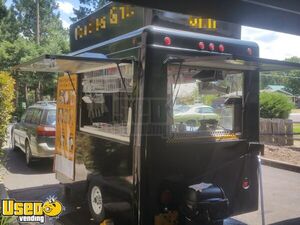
{"points": [[106, 101], [205, 94], [105, 93], [203, 101]]}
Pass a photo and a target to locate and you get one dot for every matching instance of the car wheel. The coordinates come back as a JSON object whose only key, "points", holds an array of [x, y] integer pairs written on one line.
{"points": [[28, 154], [95, 201], [13, 142]]}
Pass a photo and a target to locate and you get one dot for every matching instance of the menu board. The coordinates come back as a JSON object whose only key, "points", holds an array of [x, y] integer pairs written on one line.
{"points": [[66, 125]]}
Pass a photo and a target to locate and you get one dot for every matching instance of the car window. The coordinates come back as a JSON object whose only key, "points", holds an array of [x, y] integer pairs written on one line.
{"points": [[36, 117], [205, 110], [23, 117], [51, 118], [29, 115]]}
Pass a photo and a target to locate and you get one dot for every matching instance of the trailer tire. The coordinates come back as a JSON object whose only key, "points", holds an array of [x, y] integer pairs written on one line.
{"points": [[218, 223], [95, 201]]}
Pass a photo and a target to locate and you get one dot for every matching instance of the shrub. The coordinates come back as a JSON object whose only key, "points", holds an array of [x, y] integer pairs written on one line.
{"points": [[6, 102], [275, 105]]}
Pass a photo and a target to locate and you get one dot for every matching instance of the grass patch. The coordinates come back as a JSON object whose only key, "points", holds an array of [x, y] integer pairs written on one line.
{"points": [[296, 128]]}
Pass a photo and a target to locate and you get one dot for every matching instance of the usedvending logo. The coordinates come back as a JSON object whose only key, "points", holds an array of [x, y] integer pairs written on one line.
{"points": [[35, 211]]}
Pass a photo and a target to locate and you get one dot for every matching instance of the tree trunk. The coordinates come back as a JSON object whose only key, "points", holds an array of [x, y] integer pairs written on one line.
{"points": [[38, 92], [26, 95], [38, 22]]}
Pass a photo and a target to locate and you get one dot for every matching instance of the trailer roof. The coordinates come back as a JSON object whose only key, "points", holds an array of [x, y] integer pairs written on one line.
{"points": [[277, 15]]}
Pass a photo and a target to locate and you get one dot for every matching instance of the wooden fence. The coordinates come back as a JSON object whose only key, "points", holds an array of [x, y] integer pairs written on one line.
{"points": [[276, 131]]}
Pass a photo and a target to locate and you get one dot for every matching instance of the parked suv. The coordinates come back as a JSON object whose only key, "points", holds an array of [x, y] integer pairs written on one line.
{"points": [[35, 133]]}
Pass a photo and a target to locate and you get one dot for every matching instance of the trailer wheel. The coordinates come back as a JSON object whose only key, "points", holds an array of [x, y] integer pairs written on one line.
{"points": [[218, 222], [95, 201]]}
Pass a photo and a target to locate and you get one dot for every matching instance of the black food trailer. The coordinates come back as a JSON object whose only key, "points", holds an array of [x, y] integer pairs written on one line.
{"points": [[159, 117]]}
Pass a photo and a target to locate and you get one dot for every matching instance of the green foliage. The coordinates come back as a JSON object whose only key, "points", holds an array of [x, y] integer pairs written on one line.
{"points": [[296, 128], [275, 105], [293, 81], [208, 99], [25, 11], [290, 79], [18, 45], [272, 78], [2, 10], [7, 220], [9, 28], [87, 7], [6, 102]]}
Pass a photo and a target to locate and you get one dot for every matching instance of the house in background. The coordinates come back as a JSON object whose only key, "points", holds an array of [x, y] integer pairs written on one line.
{"points": [[278, 88], [282, 89]]}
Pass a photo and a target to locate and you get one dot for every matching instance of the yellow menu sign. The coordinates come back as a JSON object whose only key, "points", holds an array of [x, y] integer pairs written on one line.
{"points": [[66, 125]]}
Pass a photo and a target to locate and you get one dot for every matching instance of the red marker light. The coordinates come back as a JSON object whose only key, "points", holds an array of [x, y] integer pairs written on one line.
{"points": [[249, 51], [221, 48], [246, 183], [201, 45], [168, 41], [166, 197], [211, 46]]}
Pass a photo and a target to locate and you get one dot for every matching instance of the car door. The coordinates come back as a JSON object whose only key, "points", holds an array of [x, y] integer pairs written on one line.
{"points": [[17, 131], [32, 128], [24, 127]]}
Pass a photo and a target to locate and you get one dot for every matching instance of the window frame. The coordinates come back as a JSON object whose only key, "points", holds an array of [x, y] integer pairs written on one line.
{"points": [[130, 93], [34, 119], [232, 135], [29, 115]]}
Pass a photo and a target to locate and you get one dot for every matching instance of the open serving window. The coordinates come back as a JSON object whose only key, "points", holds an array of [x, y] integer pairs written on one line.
{"points": [[106, 101], [206, 94], [94, 95], [105, 91]]}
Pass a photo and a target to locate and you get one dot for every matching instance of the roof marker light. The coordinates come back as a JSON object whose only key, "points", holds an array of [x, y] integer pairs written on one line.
{"points": [[246, 183], [221, 48], [201, 45], [249, 51], [211, 46], [168, 41]]}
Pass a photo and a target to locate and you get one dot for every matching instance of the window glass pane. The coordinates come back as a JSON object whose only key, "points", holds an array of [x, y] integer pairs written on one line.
{"points": [[106, 102], [203, 102], [51, 118], [36, 116], [29, 115]]}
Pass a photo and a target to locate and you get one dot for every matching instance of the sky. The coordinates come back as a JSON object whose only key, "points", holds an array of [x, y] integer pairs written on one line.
{"points": [[273, 45]]}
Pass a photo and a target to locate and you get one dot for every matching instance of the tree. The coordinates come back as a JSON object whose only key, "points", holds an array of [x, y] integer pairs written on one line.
{"points": [[293, 78], [87, 7], [6, 106], [272, 78], [18, 44], [9, 27], [275, 105], [3, 10], [26, 14]]}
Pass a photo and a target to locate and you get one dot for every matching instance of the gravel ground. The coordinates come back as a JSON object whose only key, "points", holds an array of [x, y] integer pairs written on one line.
{"points": [[288, 154]]}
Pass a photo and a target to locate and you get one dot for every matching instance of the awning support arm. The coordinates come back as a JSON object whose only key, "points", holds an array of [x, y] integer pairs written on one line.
{"points": [[123, 81], [69, 75]]}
